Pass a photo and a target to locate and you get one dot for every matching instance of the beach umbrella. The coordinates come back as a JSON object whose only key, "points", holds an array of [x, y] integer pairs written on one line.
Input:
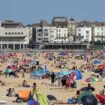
{"points": [[92, 79]]}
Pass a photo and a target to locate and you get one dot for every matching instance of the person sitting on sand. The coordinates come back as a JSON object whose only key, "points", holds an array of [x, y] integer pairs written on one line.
{"points": [[75, 98], [24, 84], [103, 91], [2, 83], [10, 92]]}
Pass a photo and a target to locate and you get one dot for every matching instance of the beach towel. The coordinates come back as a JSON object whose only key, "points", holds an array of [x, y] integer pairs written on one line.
{"points": [[42, 99]]}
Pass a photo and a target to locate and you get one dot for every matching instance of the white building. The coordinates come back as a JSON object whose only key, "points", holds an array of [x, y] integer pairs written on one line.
{"points": [[51, 34], [62, 35], [14, 36], [42, 34], [84, 34], [99, 33]]}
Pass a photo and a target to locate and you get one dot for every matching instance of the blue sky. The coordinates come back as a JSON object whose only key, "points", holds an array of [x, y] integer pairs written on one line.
{"points": [[31, 11]]}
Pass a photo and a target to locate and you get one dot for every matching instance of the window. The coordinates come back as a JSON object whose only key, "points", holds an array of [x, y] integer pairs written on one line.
{"points": [[39, 30], [87, 32], [51, 36], [39, 39], [22, 33], [45, 34], [51, 31], [97, 34], [101, 28], [6, 33], [45, 29], [19, 33], [39, 34]]}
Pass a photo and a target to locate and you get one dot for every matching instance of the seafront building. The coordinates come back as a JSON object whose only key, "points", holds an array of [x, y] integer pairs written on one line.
{"points": [[14, 35], [71, 25], [62, 32], [99, 32], [84, 34]]}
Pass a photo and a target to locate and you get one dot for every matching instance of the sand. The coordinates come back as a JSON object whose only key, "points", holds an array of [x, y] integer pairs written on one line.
{"points": [[61, 94]]}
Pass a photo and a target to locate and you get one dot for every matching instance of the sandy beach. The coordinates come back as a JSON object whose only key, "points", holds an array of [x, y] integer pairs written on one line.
{"points": [[43, 86]]}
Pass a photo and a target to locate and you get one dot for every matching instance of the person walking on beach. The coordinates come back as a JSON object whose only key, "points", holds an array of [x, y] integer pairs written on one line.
{"points": [[53, 78]]}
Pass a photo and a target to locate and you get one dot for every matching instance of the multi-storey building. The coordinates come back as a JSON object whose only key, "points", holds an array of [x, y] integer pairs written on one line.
{"points": [[61, 24], [14, 35], [71, 29], [51, 33], [98, 31], [84, 34]]}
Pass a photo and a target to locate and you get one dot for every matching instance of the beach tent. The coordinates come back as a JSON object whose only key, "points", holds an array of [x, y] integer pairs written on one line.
{"points": [[92, 79], [62, 73], [77, 74], [87, 98], [39, 73]]}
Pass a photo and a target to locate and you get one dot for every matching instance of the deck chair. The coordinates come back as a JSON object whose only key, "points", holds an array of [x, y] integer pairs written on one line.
{"points": [[23, 95]]}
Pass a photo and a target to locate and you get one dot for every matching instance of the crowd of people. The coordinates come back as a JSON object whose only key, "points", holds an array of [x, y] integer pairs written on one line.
{"points": [[20, 68]]}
